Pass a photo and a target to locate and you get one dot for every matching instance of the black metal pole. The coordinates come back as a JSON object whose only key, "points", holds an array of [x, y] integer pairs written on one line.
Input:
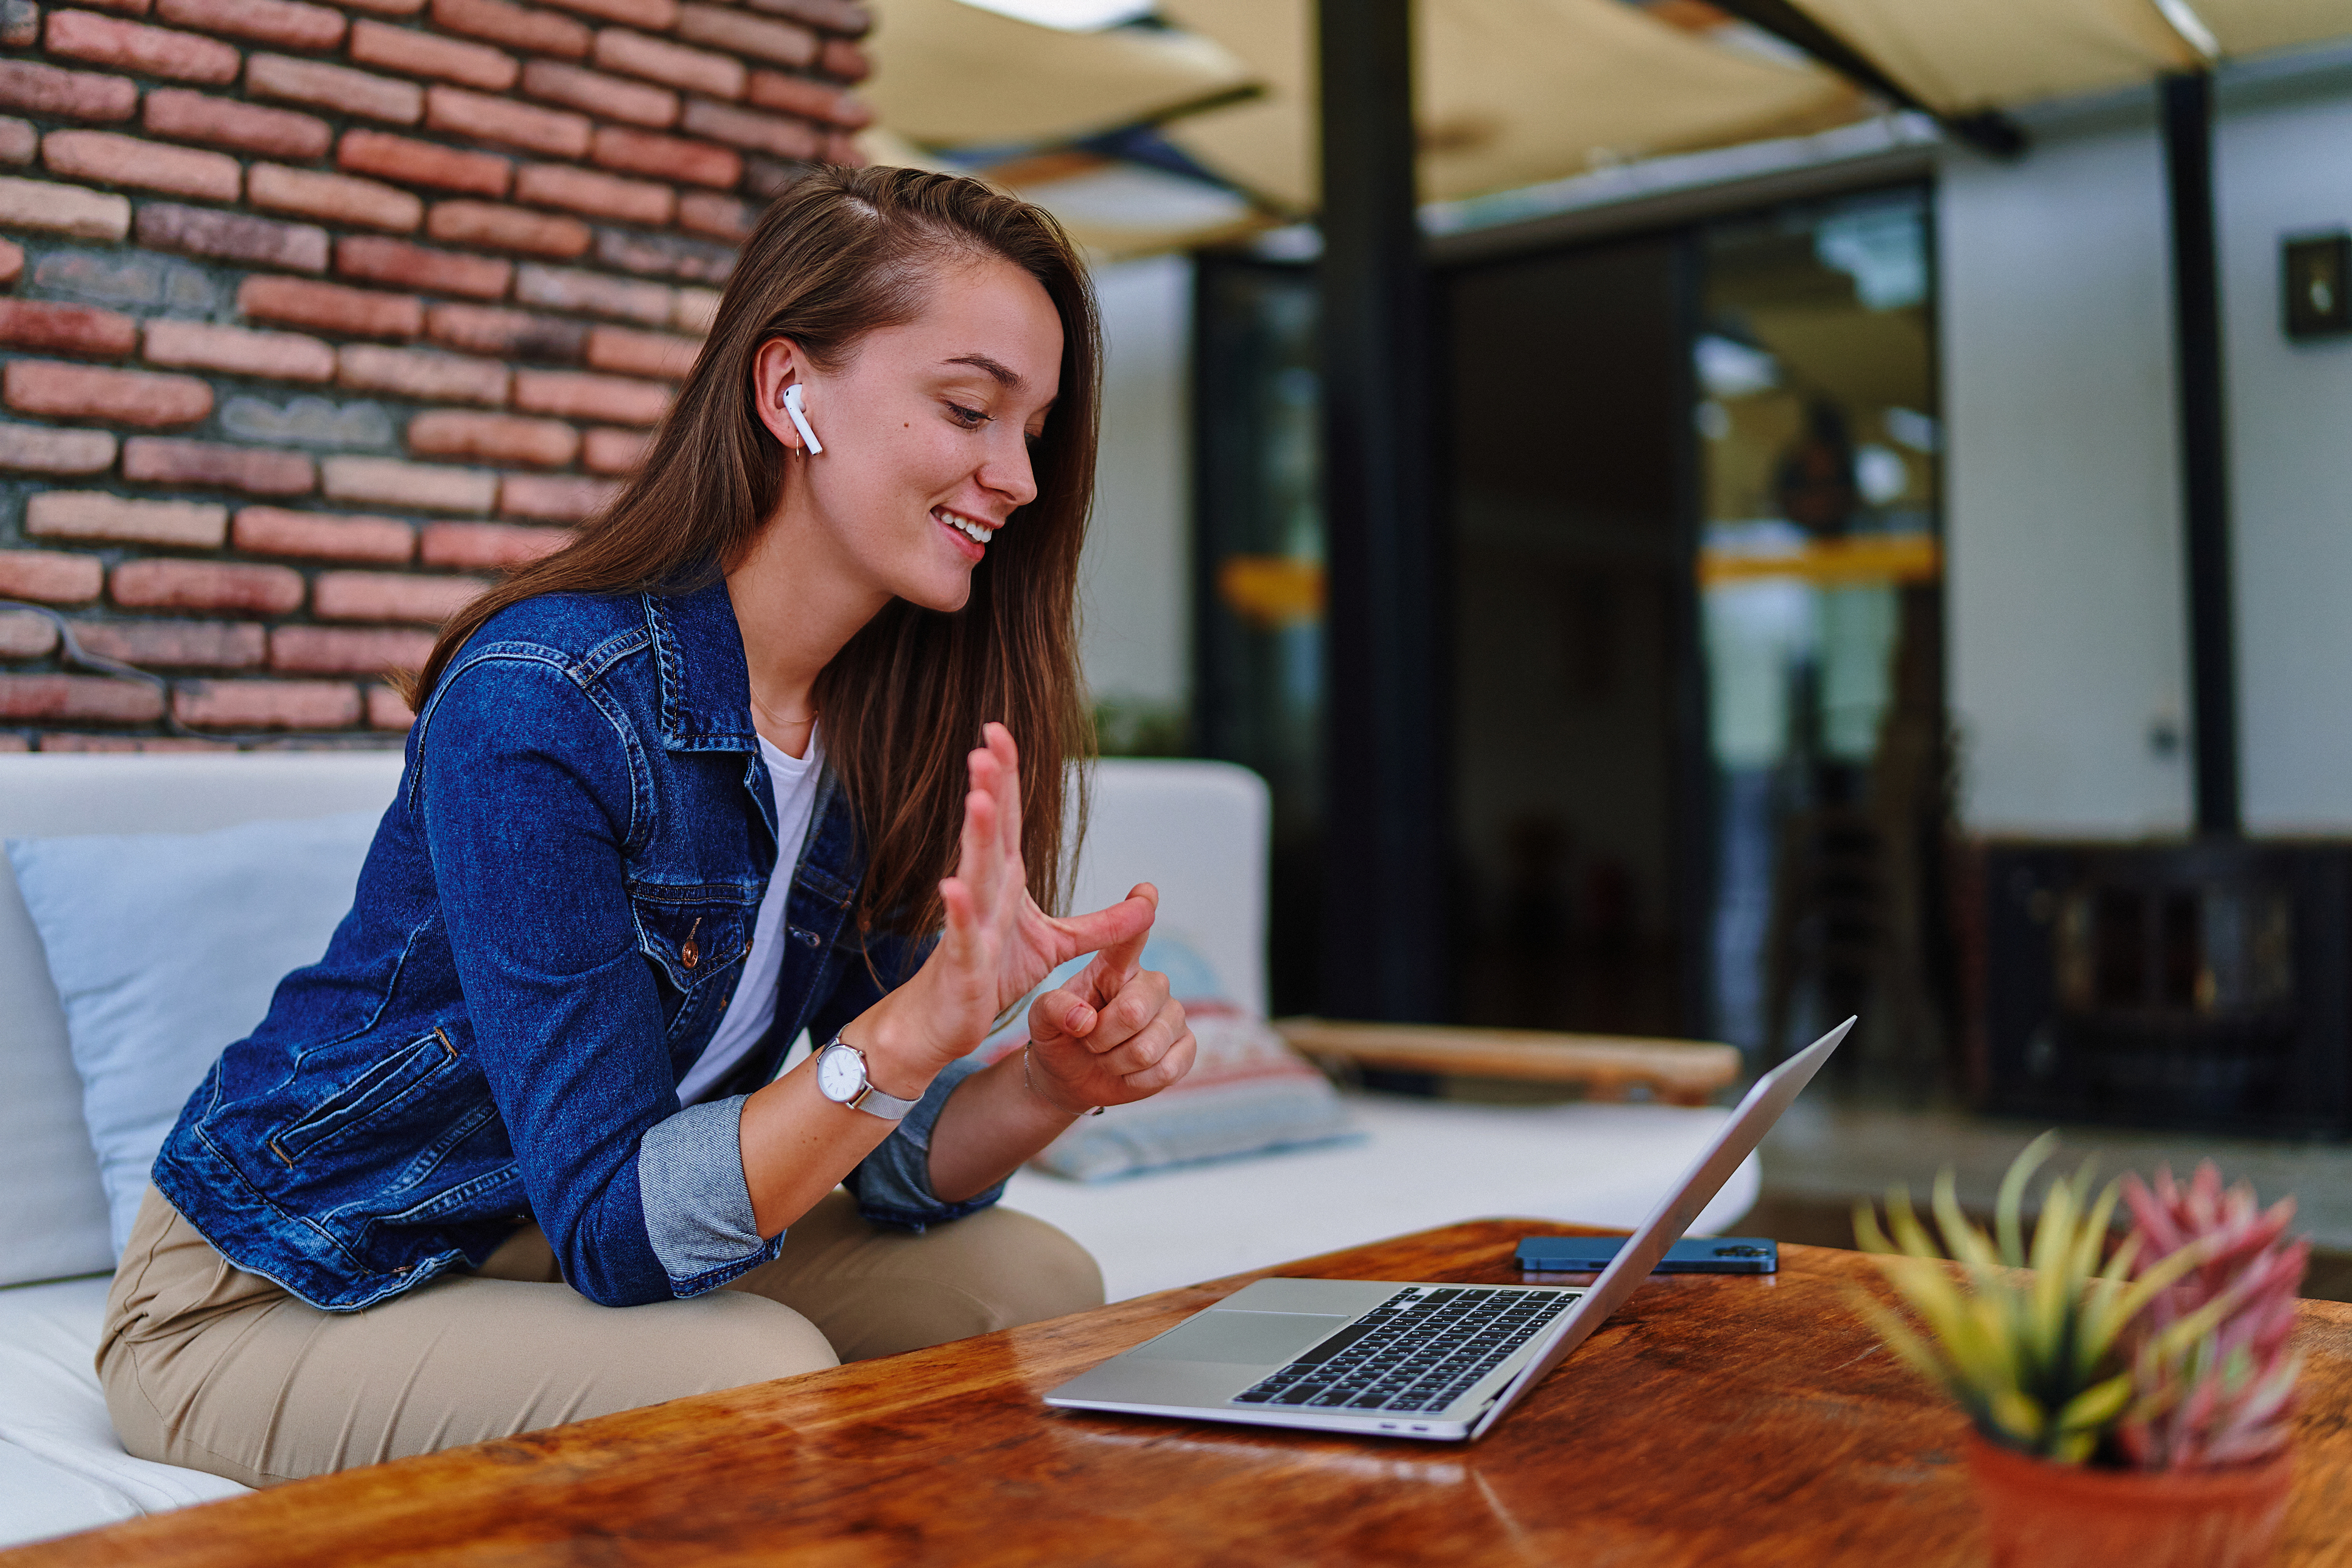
{"points": [[2204, 454], [1385, 829]]}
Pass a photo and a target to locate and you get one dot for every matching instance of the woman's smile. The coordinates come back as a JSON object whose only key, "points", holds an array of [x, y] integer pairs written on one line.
{"points": [[971, 534]]}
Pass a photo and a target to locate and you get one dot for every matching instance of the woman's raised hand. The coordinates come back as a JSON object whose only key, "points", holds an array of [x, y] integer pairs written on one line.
{"points": [[998, 943]]}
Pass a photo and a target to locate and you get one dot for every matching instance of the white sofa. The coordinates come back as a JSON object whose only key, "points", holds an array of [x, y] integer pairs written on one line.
{"points": [[1198, 829]]}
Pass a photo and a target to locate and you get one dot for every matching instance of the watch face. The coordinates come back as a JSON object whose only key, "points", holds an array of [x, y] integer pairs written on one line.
{"points": [[840, 1073]]}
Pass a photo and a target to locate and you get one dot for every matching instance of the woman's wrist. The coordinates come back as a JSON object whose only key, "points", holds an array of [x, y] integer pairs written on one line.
{"points": [[1040, 1092], [900, 1059]]}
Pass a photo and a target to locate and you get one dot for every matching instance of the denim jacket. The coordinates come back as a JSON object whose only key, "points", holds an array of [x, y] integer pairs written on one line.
{"points": [[549, 925]]}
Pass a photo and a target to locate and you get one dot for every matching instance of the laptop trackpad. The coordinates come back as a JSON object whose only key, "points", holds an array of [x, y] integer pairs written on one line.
{"points": [[1241, 1339]]}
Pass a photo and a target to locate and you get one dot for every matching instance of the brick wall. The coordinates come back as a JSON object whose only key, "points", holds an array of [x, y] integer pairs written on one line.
{"points": [[313, 316]]}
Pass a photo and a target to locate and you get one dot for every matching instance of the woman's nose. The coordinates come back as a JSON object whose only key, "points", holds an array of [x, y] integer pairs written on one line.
{"points": [[1008, 471]]}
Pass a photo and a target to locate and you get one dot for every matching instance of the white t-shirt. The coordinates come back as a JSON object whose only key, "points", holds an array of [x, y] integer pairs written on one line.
{"points": [[754, 1006]]}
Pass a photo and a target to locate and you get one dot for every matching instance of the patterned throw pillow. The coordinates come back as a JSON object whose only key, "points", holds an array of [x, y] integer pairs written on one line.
{"points": [[1248, 1093]]}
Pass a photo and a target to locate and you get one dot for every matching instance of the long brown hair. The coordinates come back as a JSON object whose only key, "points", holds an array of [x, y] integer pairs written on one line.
{"points": [[843, 252]]}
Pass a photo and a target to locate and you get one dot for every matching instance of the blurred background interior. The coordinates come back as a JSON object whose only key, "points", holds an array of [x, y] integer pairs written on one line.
{"points": [[1767, 510]]}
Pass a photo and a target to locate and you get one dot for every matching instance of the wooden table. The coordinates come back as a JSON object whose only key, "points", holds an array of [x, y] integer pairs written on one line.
{"points": [[1718, 1419]]}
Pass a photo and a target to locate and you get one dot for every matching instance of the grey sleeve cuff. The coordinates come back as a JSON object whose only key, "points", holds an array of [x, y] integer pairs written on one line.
{"points": [[893, 1184], [697, 1206]]}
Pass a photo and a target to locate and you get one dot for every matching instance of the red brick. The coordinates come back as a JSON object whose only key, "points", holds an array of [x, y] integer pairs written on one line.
{"points": [[812, 99], [425, 374], [490, 546], [338, 89], [423, 162], [591, 293], [18, 140], [19, 743], [392, 597], [161, 585], [426, 487], [134, 47], [118, 397], [63, 209], [188, 116], [845, 61], [610, 96], [461, 113], [407, 266], [672, 65], [321, 536], [11, 262], [509, 335], [66, 329], [643, 152], [552, 497], [659, 15], [267, 704], [54, 741], [359, 312], [26, 635], [694, 310], [233, 237], [725, 27], [387, 709], [490, 438], [55, 93], [90, 699], [176, 645], [111, 158], [605, 451], [94, 514], [337, 198], [599, 195], [720, 217], [604, 397], [494, 227], [519, 26], [419, 53], [843, 17], [785, 137], [51, 576], [42, 450], [387, 8], [162, 461], [273, 356], [288, 24], [20, 24], [347, 650], [660, 355]]}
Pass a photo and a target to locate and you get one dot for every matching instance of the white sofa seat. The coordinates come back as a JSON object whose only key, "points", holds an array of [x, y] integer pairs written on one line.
{"points": [[1198, 829]]}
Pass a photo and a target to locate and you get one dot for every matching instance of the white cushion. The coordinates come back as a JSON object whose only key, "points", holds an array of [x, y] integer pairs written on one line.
{"points": [[61, 1469], [53, 1216], [1423, 1164], [164, 947]]}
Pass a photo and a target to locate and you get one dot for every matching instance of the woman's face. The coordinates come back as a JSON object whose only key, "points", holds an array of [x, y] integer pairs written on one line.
{"points": [[926, 431]]}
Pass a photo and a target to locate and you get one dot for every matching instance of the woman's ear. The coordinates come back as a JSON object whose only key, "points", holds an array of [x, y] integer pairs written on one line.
{"points": [[778, 365]]}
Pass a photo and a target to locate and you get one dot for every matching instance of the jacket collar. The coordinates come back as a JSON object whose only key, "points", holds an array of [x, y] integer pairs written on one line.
{"points": [[706, 686]]}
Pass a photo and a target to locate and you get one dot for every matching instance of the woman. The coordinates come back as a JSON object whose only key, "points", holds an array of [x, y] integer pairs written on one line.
{"points": [[690, 787]]}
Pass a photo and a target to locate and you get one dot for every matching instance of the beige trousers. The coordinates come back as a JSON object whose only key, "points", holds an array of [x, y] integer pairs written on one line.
{"points": [[208, 1366]]}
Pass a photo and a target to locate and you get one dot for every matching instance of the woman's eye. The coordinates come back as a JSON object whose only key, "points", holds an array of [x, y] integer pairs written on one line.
{"points": [[969, 419]]}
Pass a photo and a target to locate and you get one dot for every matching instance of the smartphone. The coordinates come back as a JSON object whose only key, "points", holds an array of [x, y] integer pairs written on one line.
{"points": [[1692, 1255]]}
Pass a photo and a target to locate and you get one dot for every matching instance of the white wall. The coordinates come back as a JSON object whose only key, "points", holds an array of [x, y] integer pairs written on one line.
{"points": [[1134, 590], [2066, 622], [2279, 170]]}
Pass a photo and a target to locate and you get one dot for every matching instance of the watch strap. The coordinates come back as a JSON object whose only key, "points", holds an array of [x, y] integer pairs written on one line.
{"points": [[869, 1099]]}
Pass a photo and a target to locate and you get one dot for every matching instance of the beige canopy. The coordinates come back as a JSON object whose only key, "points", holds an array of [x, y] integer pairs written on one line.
{"points": [[1516, 92]]}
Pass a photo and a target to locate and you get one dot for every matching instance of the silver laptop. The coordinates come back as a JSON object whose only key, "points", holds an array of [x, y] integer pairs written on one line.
{"points": [[1439, 1362]]}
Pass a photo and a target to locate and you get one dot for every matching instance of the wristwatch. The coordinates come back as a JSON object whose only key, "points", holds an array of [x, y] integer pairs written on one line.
{"points": [[841, 1078]]}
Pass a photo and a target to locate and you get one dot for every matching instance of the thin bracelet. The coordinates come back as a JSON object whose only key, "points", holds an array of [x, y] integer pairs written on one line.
{"points": [[1029, 1084]]}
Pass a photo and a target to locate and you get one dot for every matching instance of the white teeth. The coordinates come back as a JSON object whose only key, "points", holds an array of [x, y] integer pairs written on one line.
{"points": [[977, 532]]}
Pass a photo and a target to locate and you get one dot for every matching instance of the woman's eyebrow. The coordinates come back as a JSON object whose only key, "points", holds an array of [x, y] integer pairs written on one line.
{"points": [[1005, 374]]}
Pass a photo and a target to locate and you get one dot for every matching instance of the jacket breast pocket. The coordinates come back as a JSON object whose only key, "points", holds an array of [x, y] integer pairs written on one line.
{"points": [[692, 933], [373, 1093]]}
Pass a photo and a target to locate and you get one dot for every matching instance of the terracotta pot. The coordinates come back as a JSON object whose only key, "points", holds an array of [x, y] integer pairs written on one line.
{"points": [[2041, 1515]]}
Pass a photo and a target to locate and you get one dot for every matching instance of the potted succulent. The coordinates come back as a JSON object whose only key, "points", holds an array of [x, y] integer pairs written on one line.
{"points": [[2131, 1400]]}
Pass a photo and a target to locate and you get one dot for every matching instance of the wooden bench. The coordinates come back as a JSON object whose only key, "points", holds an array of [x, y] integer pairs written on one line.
{"points": [[1678, 1072]]}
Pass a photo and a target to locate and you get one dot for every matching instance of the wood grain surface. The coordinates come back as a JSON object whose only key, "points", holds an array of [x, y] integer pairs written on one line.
{"points": [[1680, 1072], [1717, 1419]]}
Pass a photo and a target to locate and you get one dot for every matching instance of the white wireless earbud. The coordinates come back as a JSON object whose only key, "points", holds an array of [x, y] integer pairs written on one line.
{"points": [[800, 420]]}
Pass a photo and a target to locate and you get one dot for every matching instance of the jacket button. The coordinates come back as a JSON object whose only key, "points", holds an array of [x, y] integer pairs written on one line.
{"points": [[688, 952], [808, 938]]}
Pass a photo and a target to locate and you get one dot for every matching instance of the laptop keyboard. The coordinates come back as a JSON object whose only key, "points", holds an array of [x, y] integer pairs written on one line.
{"points": [[1419, 1351]]}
